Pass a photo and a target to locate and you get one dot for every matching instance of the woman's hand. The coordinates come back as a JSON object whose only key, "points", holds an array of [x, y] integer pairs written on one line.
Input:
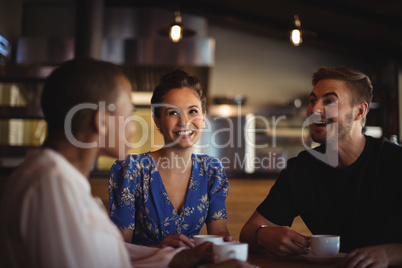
{"points": [[219, 228], [200, 254], [228, 238], [176, 241]]}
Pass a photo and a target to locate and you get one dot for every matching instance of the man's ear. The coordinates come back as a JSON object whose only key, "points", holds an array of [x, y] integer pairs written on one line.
{"points": [[362, 110], [101, 123]]}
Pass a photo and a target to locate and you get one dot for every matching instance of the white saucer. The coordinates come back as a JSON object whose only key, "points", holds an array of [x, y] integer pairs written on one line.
{"points": [[310, 257]]}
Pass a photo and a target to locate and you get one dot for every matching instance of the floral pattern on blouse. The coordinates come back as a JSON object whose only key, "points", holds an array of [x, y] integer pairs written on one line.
{"points": [[138, 199]]}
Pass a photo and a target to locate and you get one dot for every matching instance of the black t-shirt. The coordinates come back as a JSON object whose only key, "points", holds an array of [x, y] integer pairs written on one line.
{"points": [[362, 202]]}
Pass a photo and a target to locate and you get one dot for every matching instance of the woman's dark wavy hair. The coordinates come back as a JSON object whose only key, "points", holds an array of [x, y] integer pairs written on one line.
{"points": [[172, 80]]}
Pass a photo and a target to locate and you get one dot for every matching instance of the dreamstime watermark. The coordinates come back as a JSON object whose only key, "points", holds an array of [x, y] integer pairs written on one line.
{"points": [[222, 132]]}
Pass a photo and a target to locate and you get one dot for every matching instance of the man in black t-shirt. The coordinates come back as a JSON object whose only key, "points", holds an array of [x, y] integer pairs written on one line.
{"points": [[347, 186]]}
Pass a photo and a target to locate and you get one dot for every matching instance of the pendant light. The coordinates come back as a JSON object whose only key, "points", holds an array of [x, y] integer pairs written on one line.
{"points": [[176, 31], [296, 33]]}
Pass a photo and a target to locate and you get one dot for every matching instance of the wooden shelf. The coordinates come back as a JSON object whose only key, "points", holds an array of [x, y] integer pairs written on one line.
{"points": [[15, 150], [22, 73], [21, 112]]}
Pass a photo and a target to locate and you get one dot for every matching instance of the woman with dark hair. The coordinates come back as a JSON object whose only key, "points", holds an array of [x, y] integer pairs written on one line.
{"points": [[164, 197]]}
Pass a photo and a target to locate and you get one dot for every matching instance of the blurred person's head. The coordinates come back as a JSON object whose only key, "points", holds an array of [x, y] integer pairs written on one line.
{"points": [[84, 98]]}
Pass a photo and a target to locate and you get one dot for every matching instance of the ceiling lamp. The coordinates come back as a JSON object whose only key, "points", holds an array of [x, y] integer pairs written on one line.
{"points": [[176, 32], [296, 33]]}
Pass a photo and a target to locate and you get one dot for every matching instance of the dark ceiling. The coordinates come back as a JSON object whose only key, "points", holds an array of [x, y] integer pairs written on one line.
{"points": [[363, 28]]}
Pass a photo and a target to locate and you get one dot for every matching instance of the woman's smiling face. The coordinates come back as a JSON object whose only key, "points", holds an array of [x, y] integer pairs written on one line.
{"points": [[181, 118]]}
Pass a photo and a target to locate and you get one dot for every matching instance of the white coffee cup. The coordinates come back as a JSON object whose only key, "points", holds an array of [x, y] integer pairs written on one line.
{"points": [[199, 239], [325, 245], [230, 250]]}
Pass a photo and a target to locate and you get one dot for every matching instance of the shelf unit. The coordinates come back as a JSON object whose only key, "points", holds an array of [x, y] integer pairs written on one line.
{"points": [[22, 109]]}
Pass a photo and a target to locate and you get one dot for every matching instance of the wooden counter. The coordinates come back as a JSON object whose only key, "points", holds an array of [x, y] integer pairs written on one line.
{"points": [[267, 261]]}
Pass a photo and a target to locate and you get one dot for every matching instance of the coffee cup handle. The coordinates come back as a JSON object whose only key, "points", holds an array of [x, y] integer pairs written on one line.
{"points": [[232, 254]]}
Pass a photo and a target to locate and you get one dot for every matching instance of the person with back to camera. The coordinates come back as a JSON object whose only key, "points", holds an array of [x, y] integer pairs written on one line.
{"points": [[347, 186], [163, 198], [49, 217]]}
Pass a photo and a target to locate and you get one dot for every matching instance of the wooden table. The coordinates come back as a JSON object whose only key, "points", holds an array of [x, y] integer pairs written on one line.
{"points": [[264, 260]]}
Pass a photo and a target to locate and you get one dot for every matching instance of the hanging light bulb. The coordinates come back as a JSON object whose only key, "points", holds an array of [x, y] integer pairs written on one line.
{"points": [[176, 30], [296, 34], [296, 37], [175, 33]]}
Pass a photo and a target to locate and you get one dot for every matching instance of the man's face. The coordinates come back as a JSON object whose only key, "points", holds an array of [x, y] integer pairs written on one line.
{"points": [[330, 113]]}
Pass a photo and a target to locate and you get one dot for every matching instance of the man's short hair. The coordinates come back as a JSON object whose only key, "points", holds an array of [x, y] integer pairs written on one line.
{"points": [[357, 82], [75, 82]]}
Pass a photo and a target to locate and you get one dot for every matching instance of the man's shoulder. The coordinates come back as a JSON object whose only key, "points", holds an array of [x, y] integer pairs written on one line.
{"points": [[383, 147], [43, 171], [38, 162], [44, 165]]}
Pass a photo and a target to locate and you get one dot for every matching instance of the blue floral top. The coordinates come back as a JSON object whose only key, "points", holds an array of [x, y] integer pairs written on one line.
{"points": [[138, 199]]}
